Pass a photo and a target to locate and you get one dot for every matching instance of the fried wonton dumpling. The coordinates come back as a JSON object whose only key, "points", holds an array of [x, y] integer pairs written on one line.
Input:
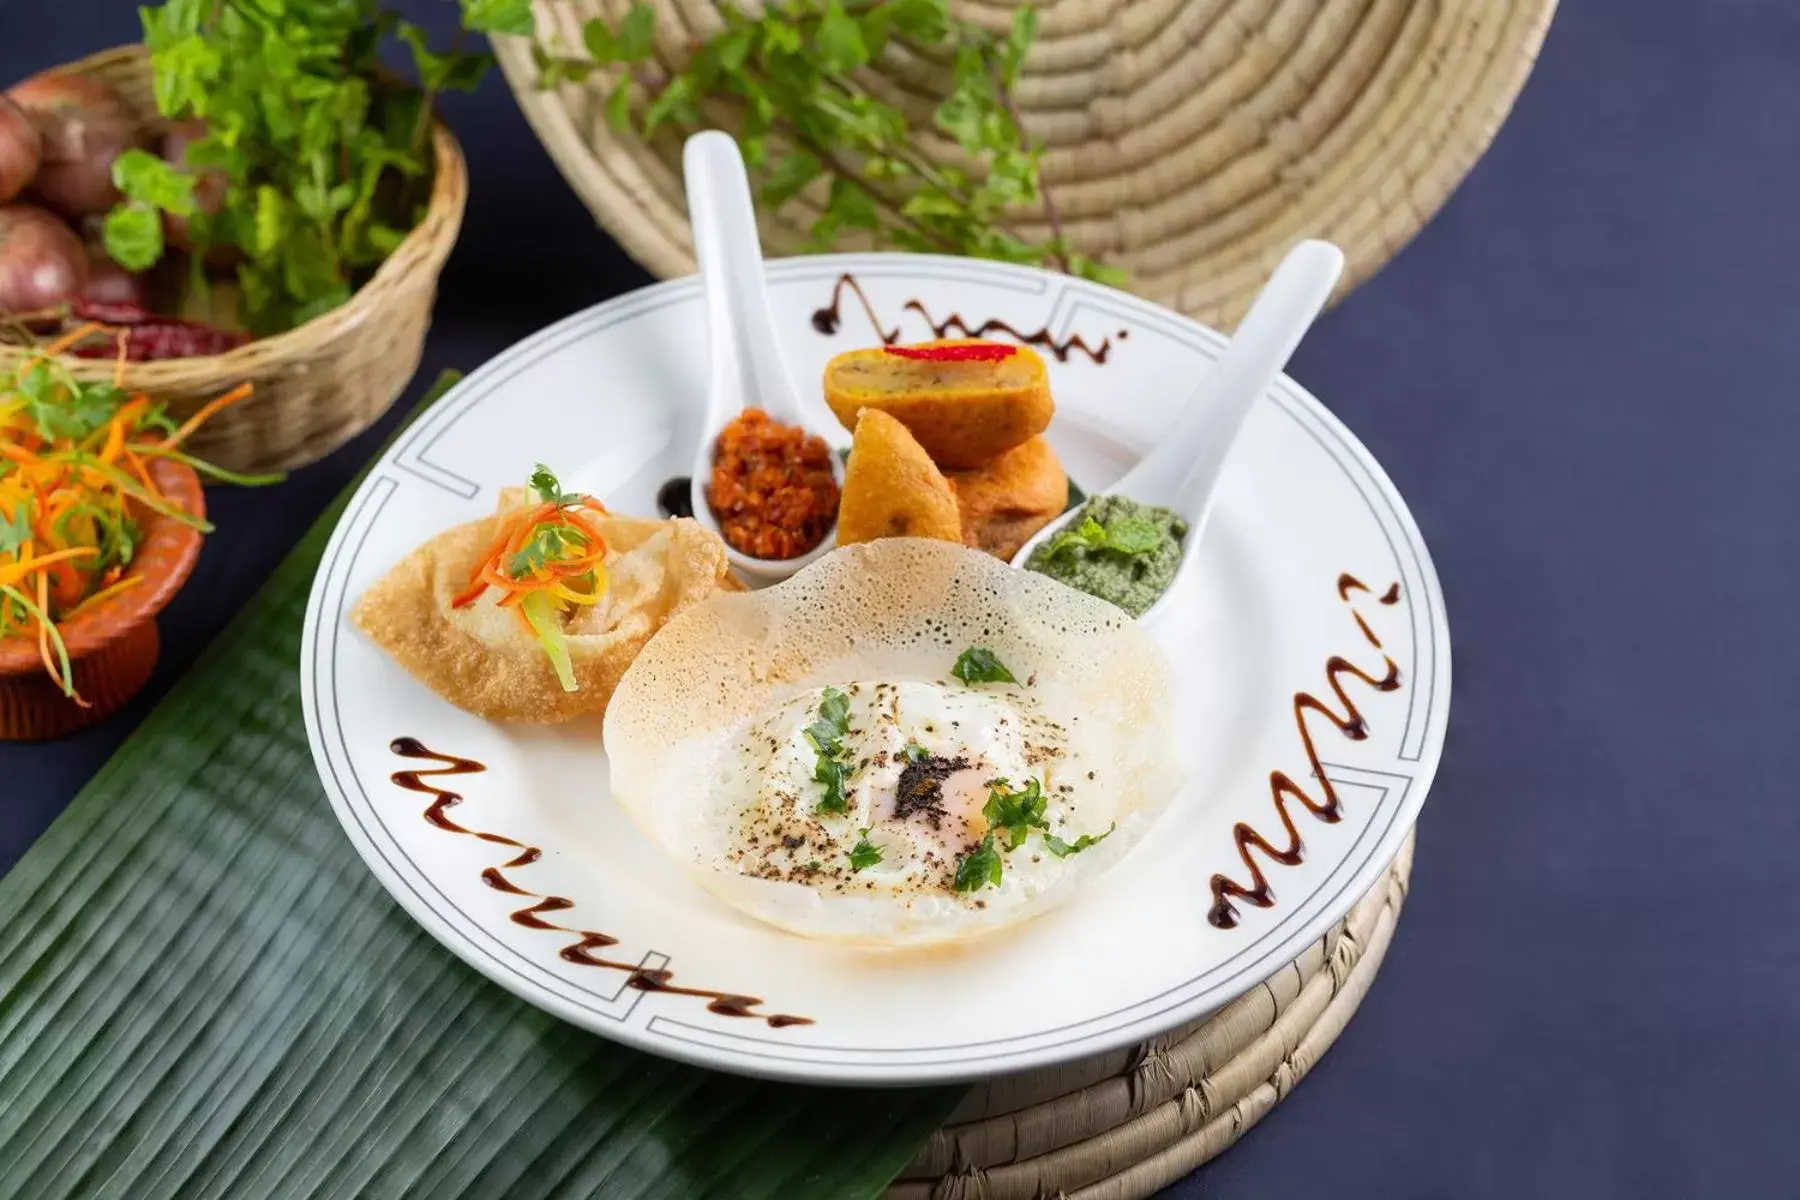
{"points": [[1007, 500], [892, 488], [484, 660]]}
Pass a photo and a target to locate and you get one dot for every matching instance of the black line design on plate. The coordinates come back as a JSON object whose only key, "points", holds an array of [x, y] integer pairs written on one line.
{"points": [[583, 950]]}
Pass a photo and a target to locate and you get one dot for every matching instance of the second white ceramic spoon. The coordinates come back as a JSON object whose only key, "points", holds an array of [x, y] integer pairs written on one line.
{"points": [[748, 370], [1182, 472]]}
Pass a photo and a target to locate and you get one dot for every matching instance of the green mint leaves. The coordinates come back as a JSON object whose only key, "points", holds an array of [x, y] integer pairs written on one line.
{"points": [[792, 70], [498, 16], [318, 160], [1127, 535], [976, 665], [826, 735]]}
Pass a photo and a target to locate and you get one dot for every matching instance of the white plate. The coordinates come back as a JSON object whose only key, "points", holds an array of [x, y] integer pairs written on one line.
{"points": [[611, 398]]}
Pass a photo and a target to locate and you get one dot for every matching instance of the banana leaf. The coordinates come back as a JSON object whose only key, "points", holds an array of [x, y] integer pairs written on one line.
{"points": [[203, 993]]}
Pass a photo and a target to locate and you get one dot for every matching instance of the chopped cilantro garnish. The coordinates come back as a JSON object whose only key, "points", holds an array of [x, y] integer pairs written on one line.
{"points": [[976, 665], [865, 853], [1015, 814], [1063, 849], [979, 868], [1127, 535], [914, 752], [549, 489], [827, 738], [1012, 815]]}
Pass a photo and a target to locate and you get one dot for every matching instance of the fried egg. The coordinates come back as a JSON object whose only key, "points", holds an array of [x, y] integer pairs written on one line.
{"points": [[811, 755]]}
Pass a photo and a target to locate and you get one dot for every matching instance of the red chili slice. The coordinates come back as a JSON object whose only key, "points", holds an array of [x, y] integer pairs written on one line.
{"points": [[972, 352]]}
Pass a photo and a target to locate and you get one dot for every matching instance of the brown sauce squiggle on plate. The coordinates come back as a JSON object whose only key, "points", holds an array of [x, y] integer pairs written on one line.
{"points": [[826, 320], [1282, 788], [581, 951]]}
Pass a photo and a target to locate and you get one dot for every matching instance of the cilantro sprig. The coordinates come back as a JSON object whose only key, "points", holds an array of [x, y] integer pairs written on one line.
{"points": [[827, 735], [979, 868], [1012, 815], [808, 123], [978, 665], [865, 853]]}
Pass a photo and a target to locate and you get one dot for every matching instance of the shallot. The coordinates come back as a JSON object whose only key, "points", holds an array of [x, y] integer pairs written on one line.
{"points": [[42, 262], [84, 126], [20, 149]]}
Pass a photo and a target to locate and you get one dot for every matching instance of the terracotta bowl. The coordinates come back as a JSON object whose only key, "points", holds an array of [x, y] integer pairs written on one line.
{"points": [[113, 646]]}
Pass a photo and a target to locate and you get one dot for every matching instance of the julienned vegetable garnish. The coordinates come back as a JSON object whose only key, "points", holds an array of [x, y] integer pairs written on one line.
{"points": [[546, 557], [74, 464], [806, 118], [313, 163]]}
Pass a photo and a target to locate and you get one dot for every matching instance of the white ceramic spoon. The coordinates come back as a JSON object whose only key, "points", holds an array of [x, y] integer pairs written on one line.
{"points": [[748, 370], [1183, 470]]}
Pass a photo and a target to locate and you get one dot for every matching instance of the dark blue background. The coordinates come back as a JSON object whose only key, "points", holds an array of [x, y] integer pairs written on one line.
{"points": [[1582, 376]]}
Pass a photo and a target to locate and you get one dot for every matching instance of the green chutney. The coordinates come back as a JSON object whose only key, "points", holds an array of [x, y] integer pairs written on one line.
{"points": [[1116, 549]]}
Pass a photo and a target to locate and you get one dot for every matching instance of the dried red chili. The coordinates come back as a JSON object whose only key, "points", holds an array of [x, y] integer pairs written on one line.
{"points": [[772, 488], [151, 336], [965, 352]]}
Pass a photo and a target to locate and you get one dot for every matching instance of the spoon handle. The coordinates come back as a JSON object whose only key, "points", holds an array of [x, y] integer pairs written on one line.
{"points": [[1264, 341], [747, 367], [1198, 441]]}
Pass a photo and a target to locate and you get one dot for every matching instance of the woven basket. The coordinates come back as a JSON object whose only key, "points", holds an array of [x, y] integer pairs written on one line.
{"points": [[322, 383], [1124, 1125], [1190, 143]]}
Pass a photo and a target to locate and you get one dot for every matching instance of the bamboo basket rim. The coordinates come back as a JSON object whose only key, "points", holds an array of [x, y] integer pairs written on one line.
{"points": [[1363, 161], [1123, 1125], [449, 195]]}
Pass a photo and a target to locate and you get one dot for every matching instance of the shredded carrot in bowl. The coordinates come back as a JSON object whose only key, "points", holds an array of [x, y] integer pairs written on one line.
{"points": [[74, 482]]}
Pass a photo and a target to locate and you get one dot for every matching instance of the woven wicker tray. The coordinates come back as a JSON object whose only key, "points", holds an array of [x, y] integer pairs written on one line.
{"points": [[1189, 142], [1123, 1125]]}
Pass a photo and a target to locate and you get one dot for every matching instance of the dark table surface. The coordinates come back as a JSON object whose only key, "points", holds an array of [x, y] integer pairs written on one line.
{"points": [[1580, 375]]}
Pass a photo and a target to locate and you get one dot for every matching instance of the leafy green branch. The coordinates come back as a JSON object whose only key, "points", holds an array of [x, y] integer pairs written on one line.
{"points": [[309, 161], [789, 79]]}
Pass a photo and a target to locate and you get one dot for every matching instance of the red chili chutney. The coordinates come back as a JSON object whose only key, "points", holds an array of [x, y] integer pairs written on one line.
{"points": [[772, 488]]}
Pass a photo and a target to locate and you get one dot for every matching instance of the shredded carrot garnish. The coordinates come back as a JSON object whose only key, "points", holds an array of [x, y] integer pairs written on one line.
{"points": [[69, 339], [551, 548], [206, 410], [75, 491]]}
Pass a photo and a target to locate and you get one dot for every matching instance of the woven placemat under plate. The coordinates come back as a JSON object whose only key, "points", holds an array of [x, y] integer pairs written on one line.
{"points": [[1189, 143], [1125, 1124]]}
